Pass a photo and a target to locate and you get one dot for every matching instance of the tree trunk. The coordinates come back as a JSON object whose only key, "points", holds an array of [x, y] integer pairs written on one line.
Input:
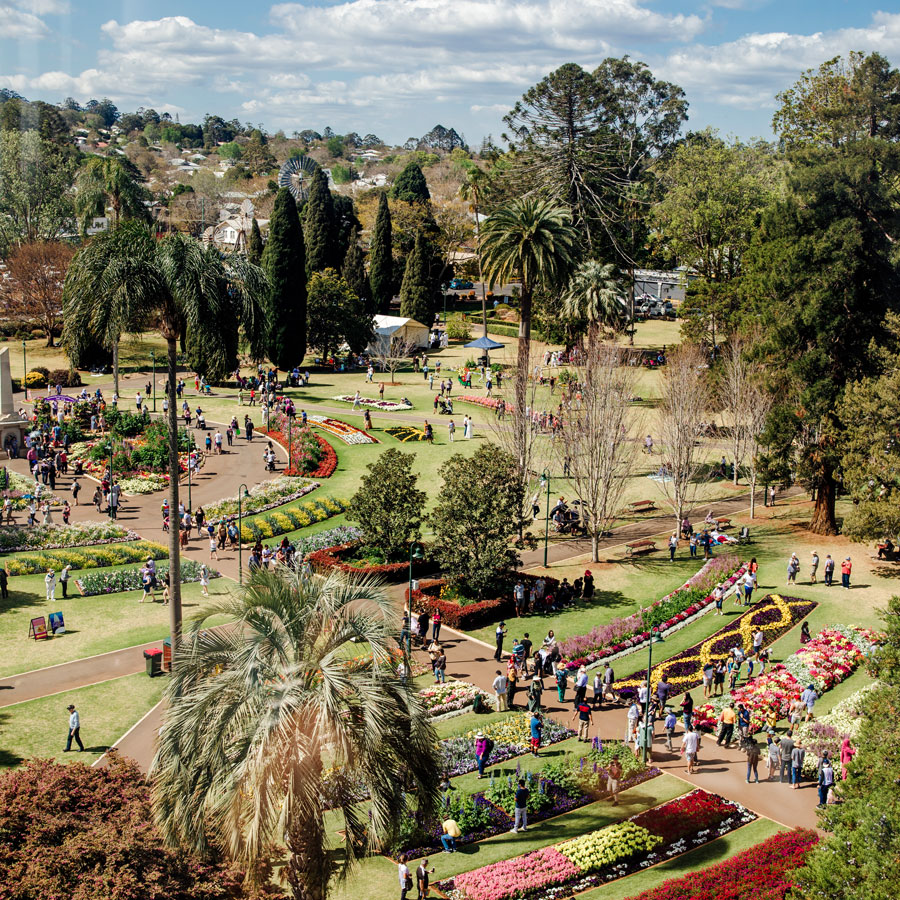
{"points": [[753, 496], [595, 548], [174, 548], [116, 367], [631, 308], [824, 520], [522, 375]]}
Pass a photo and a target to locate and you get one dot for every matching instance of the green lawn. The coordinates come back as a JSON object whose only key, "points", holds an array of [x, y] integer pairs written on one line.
{"points": [[108, 710], [93, 624], [714, 852]]}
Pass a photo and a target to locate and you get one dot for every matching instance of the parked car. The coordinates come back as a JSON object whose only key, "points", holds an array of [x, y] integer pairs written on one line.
{"points": [[460, 284]]}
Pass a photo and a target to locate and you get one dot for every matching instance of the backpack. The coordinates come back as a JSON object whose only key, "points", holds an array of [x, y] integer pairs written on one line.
{"points": [[488, 747]]}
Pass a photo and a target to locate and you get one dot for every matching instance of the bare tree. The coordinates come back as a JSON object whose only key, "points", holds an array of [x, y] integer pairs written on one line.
{"points": [[682, 409], [599, 453], [759, 403], [736, 387], [32, 290], [391, 352]]}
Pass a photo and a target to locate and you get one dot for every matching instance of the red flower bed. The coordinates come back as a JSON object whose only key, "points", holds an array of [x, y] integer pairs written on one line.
{"points": [[685, 816], [764, 872], [325, 468], [473, 615], [332, 558]]}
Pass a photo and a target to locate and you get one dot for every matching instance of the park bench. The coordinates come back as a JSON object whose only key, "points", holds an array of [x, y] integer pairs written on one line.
{"points": [[644, 546], [641, 506], [722, 524]]}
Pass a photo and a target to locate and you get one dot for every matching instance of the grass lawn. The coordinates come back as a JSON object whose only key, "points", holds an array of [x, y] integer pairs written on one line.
{"points": [[93, 624], [108, 710], [714, 852]]}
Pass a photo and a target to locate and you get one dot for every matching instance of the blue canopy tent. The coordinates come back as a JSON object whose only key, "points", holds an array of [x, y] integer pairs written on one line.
{"points": [[484, 343]]}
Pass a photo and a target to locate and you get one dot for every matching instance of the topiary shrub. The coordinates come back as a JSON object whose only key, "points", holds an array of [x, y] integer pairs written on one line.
{"points": [[65, 377]]}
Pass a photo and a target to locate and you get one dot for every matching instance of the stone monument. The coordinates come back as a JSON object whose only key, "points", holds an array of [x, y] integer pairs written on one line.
{"points": [[11, 423]]}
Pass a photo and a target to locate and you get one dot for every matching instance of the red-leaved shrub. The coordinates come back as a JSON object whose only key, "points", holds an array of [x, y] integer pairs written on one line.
{"points": [[333, 558]]}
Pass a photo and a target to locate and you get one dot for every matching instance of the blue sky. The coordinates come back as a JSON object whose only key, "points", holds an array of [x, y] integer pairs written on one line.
{"points": [[398, 67]]}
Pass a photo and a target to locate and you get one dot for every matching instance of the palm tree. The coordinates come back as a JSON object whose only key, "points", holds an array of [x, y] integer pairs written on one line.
{"points": [[125, 280], [594, 294], [273, 721], [113, 181], [534, 241]]}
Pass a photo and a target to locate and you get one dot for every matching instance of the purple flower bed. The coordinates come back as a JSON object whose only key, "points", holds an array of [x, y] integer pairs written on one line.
{"points": [[465, 764], [627, 632]]}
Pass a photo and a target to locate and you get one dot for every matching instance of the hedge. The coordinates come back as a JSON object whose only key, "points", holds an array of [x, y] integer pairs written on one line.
{"points": [[474, 615], [331, 558]]}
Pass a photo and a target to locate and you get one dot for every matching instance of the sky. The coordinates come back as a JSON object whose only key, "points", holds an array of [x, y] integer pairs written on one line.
{"points": [[396, 68]]}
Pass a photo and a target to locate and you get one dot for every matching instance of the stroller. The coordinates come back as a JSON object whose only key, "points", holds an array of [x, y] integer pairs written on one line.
{"points": [[446, 407]]}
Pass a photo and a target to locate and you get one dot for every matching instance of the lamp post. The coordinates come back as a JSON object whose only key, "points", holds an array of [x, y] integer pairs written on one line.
{"points": [[110, 510], [242, 492], [190, 473], [153, 357], [24, 370], [415, 552], [545, 480], [289, 440], [655, 638]]}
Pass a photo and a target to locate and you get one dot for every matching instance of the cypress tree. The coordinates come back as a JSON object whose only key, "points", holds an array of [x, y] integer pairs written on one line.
{"points": [[354, 272], [415, 292], [410, 185], [381, 260], [318, 226], [284, 262], [255, 244]]}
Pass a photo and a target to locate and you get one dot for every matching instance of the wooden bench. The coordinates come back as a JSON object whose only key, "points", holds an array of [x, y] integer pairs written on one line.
{"points": [[635, 547], [641, 506], [722, 524]]}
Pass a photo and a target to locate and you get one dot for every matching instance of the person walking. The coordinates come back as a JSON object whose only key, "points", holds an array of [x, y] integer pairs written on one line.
{"points": [[585, 721], [50, 584], [813, 567], [774, 753], [562, 682], [798, 754], [727, 719], [74, 729], [687, 710], [786, 748], [536, 727], [669, 724], [829, 570], [405, 876], [846, 568], [690, 747], [520, 822], [847, 754], [499, 634], [499, 686], [793, 567], [826, 780], [482, 751], [76, 489], [751, 748], [809, 697], [613, 777], [609, 678], [204, 580], [581, 682], [673, 546]]}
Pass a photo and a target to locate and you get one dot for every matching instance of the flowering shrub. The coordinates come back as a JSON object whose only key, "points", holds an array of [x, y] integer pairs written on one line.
{"points": [[131, 579], [826, 660], [86, 558], [603, 848], [774, 615], [263, 496], [450, 696], [684, 816], [765, 871], [51, 537], [383, 405], [281, 521], [332, 558]]}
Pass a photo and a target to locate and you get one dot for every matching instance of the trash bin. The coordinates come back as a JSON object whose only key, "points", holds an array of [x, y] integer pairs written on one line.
{"points": [[153, 659], [167, 655]]}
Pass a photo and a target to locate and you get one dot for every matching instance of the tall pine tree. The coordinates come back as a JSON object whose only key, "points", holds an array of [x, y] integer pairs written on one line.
{"points": [[255, 244], [381, 259], [284, 262], [410, 185], [319, 226], [354, 272], [416, 290]]}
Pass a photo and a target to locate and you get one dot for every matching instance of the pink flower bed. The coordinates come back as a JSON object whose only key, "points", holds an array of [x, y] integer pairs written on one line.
{"points": [[829, 657], [488, 402], [518, 877]]}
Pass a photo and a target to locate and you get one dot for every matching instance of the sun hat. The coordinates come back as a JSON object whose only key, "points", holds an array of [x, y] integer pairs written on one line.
{"points": [[480, 734]]}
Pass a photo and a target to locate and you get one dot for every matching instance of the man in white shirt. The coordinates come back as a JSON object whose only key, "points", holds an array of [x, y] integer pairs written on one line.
{"points": [[74, 729], [690, 745], [499, 686], [634, 715]]}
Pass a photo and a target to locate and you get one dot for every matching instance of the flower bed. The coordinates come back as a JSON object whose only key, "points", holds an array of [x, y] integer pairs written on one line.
{"points": [[487, 402], [383, 405], [131, 579], [309, 454], [405, 433], [86, 558], [774, 615], [281, 521], [143, 483], [349, 434], [264, 496], [51, 537], [824, 662], [629, 632], [472, 615], [765, 871], [20, 489], [341, 535], [603, 855], [329, 558], [449, 697]]}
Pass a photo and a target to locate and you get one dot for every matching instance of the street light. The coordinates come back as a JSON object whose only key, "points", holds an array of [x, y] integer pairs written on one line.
{"points": [[110, 510], [655, 638], [242, 492], [545, 480], [190, 472], [289, 440], [415, 552], [153, 357], [24, 370]]}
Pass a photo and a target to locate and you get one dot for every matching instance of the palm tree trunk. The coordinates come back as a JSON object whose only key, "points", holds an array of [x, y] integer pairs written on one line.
{"points": [[174, 548], [480, 274], [116, 366]]}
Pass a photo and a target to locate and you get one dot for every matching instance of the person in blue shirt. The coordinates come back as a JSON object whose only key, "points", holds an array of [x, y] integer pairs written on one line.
{"points": [[536, 727], [521, 812], [669, 725]]}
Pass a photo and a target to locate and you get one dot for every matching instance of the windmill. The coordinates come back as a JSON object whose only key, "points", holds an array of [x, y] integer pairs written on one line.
{"points": [[295, 175]]}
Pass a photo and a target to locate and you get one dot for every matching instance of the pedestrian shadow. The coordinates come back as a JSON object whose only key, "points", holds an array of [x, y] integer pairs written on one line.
{"points": [[8, 759]]}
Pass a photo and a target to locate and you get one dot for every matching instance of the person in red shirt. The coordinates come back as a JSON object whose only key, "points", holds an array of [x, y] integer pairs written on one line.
{"points": [[846, 567]]}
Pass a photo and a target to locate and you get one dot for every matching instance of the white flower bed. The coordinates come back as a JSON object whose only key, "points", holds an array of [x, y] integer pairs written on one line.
{"points": [[263, 496], [383, 405], [449, 697]]}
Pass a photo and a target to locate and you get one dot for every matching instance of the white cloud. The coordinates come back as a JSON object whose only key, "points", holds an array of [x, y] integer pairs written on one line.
{"points": [[748, 72], [17, 24], [45, 7]]}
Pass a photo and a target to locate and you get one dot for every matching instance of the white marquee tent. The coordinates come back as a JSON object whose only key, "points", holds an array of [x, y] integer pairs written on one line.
{"points": [[389, 328]]}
